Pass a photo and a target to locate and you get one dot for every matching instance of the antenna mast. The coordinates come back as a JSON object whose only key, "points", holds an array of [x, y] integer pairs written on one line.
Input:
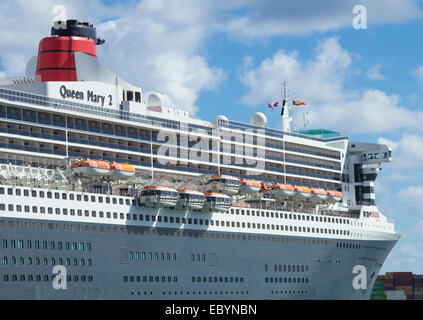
{"points": [[285, 117]]}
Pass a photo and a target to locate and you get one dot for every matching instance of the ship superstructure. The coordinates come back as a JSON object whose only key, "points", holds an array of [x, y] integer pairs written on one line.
{"points": [[140, 200]]}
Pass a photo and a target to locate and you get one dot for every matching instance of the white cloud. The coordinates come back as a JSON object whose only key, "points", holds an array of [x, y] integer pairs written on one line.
{"points": [[152, 43], [374, 73], [418, 73], [24, 23], [2, 74], [411, 198], [414, 193], [407, 153], [185, 77], [268, 18], [161, 49], [418, 229], [407, 255], [139, 34], [321, 82]]}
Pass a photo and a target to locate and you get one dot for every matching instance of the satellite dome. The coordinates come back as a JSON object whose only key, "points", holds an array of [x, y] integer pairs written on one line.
{"points": [[258, 119], [155, 100], [220, 119]]}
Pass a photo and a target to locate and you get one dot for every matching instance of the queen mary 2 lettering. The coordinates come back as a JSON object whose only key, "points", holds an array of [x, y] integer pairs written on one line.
{"points": [[108, 186], [79, 95]]}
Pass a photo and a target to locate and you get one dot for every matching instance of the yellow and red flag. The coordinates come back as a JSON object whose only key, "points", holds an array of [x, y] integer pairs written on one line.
{"points": [[298, 103]]}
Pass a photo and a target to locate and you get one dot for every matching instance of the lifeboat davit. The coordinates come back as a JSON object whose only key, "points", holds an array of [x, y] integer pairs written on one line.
{"points": [[302, 192], [159, 196], [218, 202], [249, 186], [121, 171], [191, 199], [318, 194], [334, 196], [87, 167], [224, 183], [281, 190]]}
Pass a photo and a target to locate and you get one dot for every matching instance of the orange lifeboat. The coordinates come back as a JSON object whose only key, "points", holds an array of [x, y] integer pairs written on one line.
{"points": [[302, 192], [282, 190], [318, 194], [121, 171], [265, 188], [87, 167], [334, 196], [249, 186]]}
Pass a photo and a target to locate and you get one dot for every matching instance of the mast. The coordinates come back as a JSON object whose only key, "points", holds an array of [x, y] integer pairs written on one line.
{"points": [[285, 117]]}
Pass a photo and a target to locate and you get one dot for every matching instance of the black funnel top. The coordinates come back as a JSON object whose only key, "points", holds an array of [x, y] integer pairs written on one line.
{"points": [[73, 28]]}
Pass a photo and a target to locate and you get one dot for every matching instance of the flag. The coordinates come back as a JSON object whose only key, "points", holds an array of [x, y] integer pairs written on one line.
{"points": [[275, 105], [298, 103]]}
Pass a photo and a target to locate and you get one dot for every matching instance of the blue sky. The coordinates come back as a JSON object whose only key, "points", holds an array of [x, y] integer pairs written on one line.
{"points": [[229, 57]]}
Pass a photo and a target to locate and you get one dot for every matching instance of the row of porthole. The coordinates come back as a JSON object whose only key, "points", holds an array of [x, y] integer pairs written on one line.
{"points": [[49, 195], [149, 256], [221, 223], [289, 292], [348, 245], [46, 278], [291, 216], [158, 232], [217, 279], [287, 268], [93, 197], [285, 280], [74, 246], [37, 261], [168, 279], [193, 293]]}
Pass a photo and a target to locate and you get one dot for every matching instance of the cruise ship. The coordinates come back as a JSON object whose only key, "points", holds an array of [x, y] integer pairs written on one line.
{"points": [[109, 194]]}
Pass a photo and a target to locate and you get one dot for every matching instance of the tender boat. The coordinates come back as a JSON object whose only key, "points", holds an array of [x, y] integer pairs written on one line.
{"points": [[159, 196], [191, 199], [225, 184], [218, 202]]}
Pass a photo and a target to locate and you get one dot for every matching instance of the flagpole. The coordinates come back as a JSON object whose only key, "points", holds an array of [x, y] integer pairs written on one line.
{"points": [[285, 116]]}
